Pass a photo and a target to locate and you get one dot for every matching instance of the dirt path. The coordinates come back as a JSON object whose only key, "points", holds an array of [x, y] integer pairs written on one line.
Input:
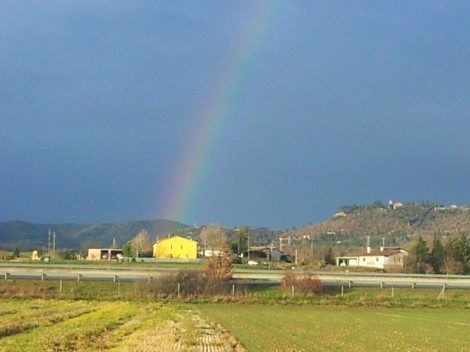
{"points": [[187, 332]]}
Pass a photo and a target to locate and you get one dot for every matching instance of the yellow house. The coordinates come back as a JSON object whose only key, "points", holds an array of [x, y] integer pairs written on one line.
{"points": [[175, 247]]}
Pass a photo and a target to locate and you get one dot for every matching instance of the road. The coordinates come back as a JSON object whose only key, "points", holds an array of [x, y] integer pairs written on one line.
{"points": [[133, 273]]}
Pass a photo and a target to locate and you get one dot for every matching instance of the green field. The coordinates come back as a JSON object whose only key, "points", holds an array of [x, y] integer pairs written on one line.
{"points": [[77, 325], [317, 328], [53, 325], [106, 316]]}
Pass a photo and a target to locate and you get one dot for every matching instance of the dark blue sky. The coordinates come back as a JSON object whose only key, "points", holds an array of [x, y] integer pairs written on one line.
{"points": [[343, 102]]}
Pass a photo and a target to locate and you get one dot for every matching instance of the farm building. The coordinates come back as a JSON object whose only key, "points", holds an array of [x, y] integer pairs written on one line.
{"points": [[266, 254], [104, 254], [175, 247], [380, 258], [212, 253]]}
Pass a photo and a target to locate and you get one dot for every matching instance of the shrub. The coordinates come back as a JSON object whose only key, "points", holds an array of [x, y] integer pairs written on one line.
{"points": [[219, 267], [305, 283], [184, 283]]}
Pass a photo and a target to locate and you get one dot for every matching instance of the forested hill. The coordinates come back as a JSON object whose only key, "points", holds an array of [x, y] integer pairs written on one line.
{"points": [[28, 236], [396, 224]]}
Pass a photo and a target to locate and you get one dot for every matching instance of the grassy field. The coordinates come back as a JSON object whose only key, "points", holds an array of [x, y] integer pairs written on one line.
{"points": [[106, 316], [82, 325], [53, 325], [317, 328], [61, 325]]}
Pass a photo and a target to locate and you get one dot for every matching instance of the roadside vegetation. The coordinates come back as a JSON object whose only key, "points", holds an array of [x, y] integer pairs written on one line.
{"points": [[197, 289]]}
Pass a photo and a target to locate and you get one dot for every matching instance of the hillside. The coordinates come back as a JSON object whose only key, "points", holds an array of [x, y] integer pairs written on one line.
{"points": [[397, 224], [28, 236]]}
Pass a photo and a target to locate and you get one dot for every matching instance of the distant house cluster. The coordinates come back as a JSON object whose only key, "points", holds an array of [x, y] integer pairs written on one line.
{"points": [[177, 247], [171, 247], [451, 207]]}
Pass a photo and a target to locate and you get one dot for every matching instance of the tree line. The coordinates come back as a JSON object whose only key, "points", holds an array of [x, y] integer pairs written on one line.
{"points": [[451, 258]]}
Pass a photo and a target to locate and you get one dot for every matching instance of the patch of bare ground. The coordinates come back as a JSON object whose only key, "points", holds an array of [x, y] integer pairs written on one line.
{"points": [[187, 332]]}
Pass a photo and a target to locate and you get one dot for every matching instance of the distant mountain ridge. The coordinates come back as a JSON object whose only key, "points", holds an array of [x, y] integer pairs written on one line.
{"points": [[29, 236], [395, 224]]}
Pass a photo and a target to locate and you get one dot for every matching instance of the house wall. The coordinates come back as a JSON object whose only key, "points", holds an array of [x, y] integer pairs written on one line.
{"points": [[395, 260], [212, 253], [276, 255], [347, 261], [354, 261], [175, 247], [380, 261], [94, 254], [372, 261]]}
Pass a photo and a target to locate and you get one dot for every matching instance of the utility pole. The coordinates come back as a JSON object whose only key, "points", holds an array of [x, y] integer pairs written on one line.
{"points": [[49, 241], [248, 243], [53, 243]]}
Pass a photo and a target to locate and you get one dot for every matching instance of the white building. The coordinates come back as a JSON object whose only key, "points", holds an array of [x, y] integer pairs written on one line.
{"points": [[379, 258]]}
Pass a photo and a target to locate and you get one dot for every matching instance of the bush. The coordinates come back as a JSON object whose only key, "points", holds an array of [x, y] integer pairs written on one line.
{"points": [[306, 283], [184, 284], [219, 267]]}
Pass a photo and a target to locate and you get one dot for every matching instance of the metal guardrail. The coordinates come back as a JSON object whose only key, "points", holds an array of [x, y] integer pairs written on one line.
{"points": [[87, 267], [354, 281], [73, 277], [267, 272]]}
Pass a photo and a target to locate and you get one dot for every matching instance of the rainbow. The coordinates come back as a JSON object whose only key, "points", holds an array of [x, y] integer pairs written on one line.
{"points": [[211, 118]]}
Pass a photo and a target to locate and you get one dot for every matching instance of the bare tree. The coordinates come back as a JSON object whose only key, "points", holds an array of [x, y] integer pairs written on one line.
{"points": [[86, 245], [141, 242], [214, 237], [219, 264]]}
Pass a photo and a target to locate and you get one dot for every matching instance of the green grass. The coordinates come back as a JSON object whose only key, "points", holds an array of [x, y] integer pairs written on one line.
{"points": [[39, 325], [319, 328], [402, 297], [293, 325]]}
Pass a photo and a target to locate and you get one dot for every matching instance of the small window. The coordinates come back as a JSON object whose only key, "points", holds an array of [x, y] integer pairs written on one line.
{"points": [[377, 259], [181, 246]]}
